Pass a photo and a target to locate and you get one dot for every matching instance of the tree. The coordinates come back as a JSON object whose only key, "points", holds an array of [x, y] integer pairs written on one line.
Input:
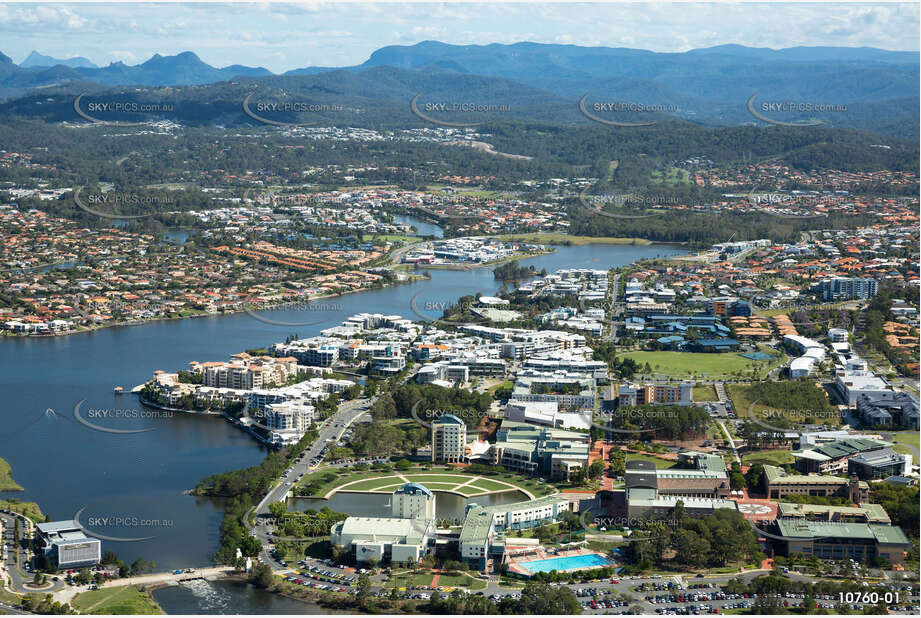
{"points": [[539, 598], [737, 480], [596, 469], [278, 509], [250, 546], [142, 565], [261, 576], [364, 590]]}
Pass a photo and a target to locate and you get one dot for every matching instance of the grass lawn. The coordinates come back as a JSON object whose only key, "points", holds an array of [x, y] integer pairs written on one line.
{"points": [[772, 458], [704, 392], [441, 486], [461, 581], [116, 600], [6, 478], [8, 597], [29, 509], [659, 462], [365, 480], [505, 383], [373, 483], [488, 485], [438, 478], [903, 438], [405, 580], [468, 491], [687, 364]]}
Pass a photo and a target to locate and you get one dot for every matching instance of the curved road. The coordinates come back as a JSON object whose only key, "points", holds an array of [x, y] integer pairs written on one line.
{"points": [[330, 432]]}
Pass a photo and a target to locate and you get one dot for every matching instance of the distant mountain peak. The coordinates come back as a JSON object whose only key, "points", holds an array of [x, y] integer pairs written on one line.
{"points": [[36, 59]]}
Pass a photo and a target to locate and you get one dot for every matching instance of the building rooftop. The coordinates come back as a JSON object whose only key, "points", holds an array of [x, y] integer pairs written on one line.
{"points": [[818, 530], [413, 488], [872, 512]]}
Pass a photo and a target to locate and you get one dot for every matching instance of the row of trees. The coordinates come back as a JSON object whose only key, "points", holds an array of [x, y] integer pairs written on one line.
{"points": [[661, 421], [679, 541], [537, 598]]}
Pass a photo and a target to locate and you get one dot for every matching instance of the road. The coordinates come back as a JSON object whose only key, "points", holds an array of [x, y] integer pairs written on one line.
{"points": [[330, 432], [18, 572]]}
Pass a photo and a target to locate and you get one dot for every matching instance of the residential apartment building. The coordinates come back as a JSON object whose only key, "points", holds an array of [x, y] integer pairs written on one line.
{"points": [[846, 288], [449, 439], [640, 394]]}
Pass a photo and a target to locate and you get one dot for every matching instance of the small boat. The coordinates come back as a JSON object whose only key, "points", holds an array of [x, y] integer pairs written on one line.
{"points": [[118, 390]]}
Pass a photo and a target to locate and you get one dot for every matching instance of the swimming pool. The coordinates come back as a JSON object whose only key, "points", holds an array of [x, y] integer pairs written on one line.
{"points": [[569, 563]]}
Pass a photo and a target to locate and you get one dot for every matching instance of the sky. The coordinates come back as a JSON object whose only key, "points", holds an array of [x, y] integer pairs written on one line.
{"points": [[284, 36]]}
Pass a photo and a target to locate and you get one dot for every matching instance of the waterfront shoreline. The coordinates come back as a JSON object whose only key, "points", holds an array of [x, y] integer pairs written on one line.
{"points": [[270, 307], [554, 239]]}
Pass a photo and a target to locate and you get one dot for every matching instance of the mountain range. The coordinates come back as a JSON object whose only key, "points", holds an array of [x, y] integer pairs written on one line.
{"points": [[877, 89]]}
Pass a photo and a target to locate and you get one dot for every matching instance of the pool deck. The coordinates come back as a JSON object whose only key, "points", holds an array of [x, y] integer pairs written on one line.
{"points": [[536, 554]]}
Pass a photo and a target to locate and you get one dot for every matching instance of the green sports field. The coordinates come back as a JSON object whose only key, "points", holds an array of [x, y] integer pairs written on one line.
{"points": [[689, 364]]}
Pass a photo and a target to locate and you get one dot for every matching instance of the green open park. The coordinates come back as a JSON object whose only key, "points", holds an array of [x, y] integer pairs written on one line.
{"points": [[701, 364], [116, 600], [453, 580], [704, 392], [658, 461], [6, 478], [777, 457], [906, 442], [324, 483]]}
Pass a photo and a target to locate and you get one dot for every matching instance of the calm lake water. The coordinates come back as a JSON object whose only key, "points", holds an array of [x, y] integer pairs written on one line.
{"points": [[423, 228], [130, 486]]}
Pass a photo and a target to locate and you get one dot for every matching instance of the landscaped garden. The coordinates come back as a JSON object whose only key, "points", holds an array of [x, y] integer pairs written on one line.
{"points": [[324, 483]]}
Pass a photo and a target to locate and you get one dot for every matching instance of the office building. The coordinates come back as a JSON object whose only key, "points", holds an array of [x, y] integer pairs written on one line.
{"points": [[398, 539], [838, 541], [889, 409], [778, 484], [65, 543], [879, 464]]}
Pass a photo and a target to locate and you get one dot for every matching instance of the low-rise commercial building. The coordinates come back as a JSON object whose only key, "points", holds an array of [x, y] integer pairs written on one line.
{"points": [[832, 457], [839, 541], [889, 409], [879, 464], [403, 538]]}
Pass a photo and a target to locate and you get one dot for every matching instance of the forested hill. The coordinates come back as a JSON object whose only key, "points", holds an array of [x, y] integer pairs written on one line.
{"points": [[868, 89]]}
